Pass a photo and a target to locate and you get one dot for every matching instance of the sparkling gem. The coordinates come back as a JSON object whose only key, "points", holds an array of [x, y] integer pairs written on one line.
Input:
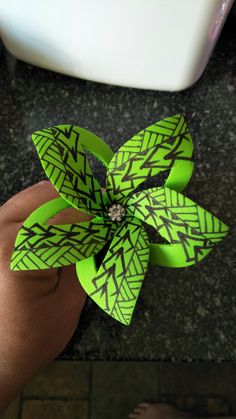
{"points": [[116, 212]]}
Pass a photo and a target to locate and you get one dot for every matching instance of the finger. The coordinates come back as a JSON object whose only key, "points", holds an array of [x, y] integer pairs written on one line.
{"points": [[70, 287], [20, 206], [69, 216]]}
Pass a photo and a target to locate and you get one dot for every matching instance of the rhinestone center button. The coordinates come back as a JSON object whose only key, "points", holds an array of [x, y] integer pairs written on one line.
{"points": [[116, 212]]}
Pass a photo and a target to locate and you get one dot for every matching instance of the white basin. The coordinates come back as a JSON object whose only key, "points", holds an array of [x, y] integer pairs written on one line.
{"points": [[153, 44]]}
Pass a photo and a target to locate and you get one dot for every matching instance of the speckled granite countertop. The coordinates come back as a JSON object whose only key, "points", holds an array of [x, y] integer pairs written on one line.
{"points": [[181, 314]]}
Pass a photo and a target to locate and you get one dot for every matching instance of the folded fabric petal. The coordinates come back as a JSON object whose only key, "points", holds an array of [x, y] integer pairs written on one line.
{"points": [[163, 146], [122, 213], [118, 281], [62, 153], [185, 225], [42, 246]]}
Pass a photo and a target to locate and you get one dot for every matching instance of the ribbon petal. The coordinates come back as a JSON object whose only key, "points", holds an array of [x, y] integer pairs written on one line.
{"points": [[42, 246], [191, 231], [62, 154], [117, 284], [165, 145]]}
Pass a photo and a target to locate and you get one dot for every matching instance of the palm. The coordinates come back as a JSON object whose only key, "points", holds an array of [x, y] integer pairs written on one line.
{"points": [[39, 310]]}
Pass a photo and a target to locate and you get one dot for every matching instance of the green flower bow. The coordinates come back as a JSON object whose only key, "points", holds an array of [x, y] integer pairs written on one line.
{"points": [[120, 214]]}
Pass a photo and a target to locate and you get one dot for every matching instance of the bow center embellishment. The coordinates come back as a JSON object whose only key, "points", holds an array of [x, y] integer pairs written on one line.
{"points": [[116, 212]]}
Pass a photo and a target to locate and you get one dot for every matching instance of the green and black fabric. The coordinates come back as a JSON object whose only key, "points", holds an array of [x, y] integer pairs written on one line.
{"points": [[120, 214]]}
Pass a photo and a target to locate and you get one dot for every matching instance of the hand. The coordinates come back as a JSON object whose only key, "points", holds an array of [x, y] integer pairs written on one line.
{"points": [[39, 310]]}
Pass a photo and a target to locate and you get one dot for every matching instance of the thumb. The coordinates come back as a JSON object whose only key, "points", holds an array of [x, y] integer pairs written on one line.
{"points": [[20, 206]]}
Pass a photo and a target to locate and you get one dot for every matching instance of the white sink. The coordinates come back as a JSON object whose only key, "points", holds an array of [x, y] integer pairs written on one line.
{"points": [[153, 44]]}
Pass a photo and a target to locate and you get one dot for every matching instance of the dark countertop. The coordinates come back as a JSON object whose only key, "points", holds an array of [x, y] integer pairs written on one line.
{"points": [[181, 314]]}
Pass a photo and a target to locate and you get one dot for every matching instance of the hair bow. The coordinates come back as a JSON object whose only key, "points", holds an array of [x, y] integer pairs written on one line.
{"points": [[120, 214]]}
